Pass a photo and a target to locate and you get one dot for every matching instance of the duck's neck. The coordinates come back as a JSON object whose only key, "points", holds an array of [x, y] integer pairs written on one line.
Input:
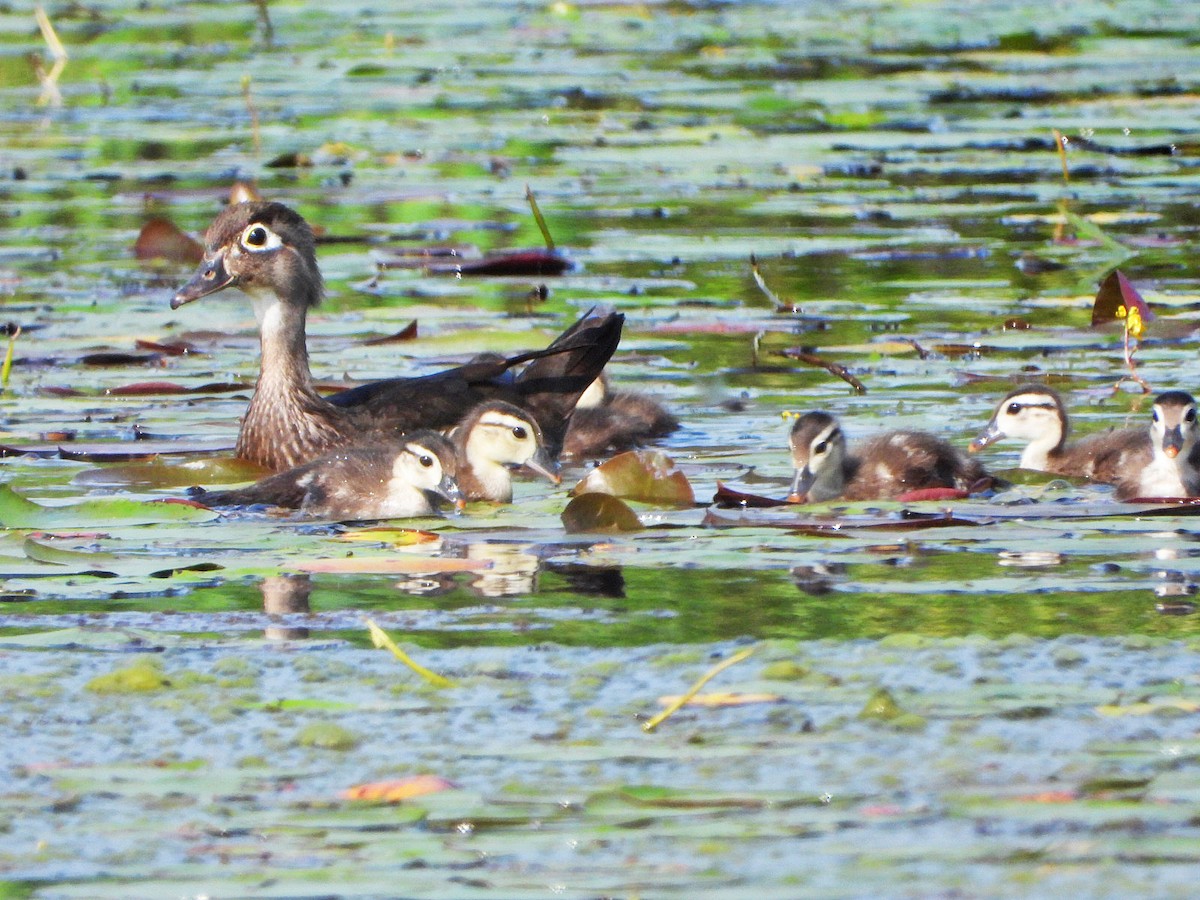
{"points": [[832, 479], [281, 328], [1037, 452], [287, 422]]}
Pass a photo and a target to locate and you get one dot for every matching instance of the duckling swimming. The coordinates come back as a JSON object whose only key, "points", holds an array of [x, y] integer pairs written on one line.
{"points": [[885, 466], [400, 480], [1141, 462]]}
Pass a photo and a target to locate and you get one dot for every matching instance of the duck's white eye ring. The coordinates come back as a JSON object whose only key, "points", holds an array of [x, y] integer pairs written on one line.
{"points": [[258, 238]]}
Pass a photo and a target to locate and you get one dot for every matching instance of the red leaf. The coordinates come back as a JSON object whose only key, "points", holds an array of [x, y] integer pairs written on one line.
{"points": [[144, 388], [1117, 291], [937, 493], [727, 497], [517, 263]]}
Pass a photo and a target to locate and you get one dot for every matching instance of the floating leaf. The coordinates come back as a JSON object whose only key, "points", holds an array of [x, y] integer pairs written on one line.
{"points": [[725, 496], [160, 473], [397, 537], [407, 333], [117, 451], [18, 512], [398, 790], [1118, 299], [599, 513], [518, 263], [646, 475], [162, 239], [1148, 708]]}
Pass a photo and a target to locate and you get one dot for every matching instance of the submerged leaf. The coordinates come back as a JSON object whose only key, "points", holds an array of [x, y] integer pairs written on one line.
{"points": [[646, 475], [599, 513]]}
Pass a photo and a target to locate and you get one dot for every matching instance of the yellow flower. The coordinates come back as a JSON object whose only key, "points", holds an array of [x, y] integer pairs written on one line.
{"points": [[1134, 324]]}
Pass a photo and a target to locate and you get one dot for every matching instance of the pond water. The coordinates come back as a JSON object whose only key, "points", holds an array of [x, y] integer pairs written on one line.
{"points": [[1003, 705]]}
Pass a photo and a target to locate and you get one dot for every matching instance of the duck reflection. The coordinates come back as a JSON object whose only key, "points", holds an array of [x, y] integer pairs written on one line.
{"points": [[513, 570], [284, 594]]}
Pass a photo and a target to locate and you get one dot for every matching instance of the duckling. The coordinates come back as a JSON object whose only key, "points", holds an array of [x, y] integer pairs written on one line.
{"points": [[607, 422], [267, 250], [884, 466], [492, 437], [1037, 414], [1172, 466], [400, 480], [1141, 462]]}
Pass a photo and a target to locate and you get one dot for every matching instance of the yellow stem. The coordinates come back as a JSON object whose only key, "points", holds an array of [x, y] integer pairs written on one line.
{"points": [[695, 688], [380, 638]]}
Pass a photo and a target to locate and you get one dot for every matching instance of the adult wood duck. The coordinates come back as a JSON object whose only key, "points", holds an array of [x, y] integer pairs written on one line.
{"points": [[1160, 461], [492, 437], [267, 250], [608, 421], [885, 466], [396, 480]]}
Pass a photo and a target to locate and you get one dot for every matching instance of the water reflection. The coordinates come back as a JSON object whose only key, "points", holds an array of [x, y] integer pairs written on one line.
{"points": [[513, 570], [284, 595]]}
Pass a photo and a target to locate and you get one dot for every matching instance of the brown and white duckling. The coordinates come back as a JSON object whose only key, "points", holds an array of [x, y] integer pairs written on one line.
{"points": [[608, 421], [492, 437], [1142, 462], [1036, 414], [885, 466], [401, 479], [1173, 466], [268, 251]]}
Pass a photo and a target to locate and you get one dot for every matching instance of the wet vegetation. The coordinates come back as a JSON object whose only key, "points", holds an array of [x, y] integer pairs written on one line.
{"points": [[994, 696]]}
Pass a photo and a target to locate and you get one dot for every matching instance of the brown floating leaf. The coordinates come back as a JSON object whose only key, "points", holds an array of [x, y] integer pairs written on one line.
{"points": [[934, 493], [407, 333], [113, 358], [646, 475], [1115, 298], [172, 348], [290, 161], [399, 789], [518, 263], [145, 388], [162, 239], [727, 497], [599, 513]]}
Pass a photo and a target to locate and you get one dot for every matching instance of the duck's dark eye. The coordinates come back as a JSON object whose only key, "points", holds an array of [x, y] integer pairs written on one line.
{"points": [[256, 236], [520, 433], [425, 461], [821, 447], [1014, 408], [1190, 416], [1154, 416]]}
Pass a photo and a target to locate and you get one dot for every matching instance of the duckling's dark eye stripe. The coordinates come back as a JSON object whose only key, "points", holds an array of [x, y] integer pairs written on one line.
{"points": [[1015, 407]]}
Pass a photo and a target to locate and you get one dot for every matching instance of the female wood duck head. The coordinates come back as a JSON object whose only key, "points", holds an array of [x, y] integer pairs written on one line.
{"points": [[494, 436], [266, 250]]}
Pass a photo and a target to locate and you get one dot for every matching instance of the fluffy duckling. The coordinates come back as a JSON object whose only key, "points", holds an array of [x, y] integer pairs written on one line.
{"points": [[885, 466], [1172, 466], [1142, 462], [494, 436], [397, 480], [1036, 414], [609, 422]]}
